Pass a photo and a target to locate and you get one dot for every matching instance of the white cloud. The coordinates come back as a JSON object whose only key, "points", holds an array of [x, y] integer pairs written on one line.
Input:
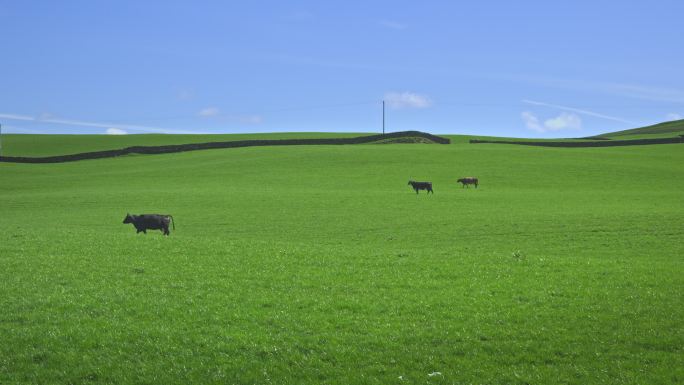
{"points": [[636, 91], [398, 100], [120, 126], [213, 112], [9, 129], [115, 131], [209, 112], [646, 92], [393, 24], [16, 117], [564, 121], [579, 111], [674, 116], [122, 129], [69, 122], [531, 121]]}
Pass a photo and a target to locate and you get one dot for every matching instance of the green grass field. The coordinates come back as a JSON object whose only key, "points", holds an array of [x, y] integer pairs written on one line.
{"points": [[49, 145], [319, 265], [661, 130]]}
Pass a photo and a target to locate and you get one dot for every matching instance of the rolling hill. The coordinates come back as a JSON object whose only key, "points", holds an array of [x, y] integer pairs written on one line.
{"points": [[666, 129], [318, 264]]}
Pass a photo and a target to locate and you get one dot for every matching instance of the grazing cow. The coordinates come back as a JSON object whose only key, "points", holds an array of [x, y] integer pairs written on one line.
{"points": [[468, 180], [421, 186], [150, 221]]}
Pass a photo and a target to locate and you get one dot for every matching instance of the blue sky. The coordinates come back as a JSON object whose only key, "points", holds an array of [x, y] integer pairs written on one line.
{"points": [[507, 68]]}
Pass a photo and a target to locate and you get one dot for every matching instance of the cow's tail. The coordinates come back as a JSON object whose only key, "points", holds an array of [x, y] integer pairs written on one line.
{"points": [[172, 222]]}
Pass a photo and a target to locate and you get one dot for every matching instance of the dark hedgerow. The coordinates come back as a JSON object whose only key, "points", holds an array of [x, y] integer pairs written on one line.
{"points": [[230, 144]]}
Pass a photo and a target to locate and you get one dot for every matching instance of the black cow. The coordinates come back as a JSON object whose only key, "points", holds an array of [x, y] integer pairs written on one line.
{"points": [[150, 221], [467, 181], [421, 186]]}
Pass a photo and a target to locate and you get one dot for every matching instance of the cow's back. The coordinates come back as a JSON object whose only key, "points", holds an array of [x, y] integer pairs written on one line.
{"points": [[153, 221]]}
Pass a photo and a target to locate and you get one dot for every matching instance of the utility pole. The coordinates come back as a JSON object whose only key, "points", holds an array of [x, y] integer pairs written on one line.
{"points": [[383, 117]]}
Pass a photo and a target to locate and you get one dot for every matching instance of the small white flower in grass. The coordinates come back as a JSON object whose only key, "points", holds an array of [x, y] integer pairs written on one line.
{"points": [[401, 378], [434, 374]]}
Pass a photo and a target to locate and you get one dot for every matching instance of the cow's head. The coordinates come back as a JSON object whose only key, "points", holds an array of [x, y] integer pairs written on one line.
{"points": [[410, 182], [460, 180], [128, 219]]}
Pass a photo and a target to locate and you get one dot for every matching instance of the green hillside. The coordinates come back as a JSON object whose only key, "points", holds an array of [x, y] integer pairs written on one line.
{"points": [[318, 264], [47, 145], [50, 145], [666, 129], [31, 145]]}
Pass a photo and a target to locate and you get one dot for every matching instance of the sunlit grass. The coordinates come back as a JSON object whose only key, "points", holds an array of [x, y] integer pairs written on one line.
{"points": [[311, 265]]}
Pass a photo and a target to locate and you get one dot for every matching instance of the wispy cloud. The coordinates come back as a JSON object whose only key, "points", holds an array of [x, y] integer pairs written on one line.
{"points": [[579, 111], [564, 121], [634, 91], [115, 131], [659, 94], [81, 123], [209, 112], [16, 117], [399, 100], [214, 112], [531, 121], [674, 116], [391, 24], [10, 129]]}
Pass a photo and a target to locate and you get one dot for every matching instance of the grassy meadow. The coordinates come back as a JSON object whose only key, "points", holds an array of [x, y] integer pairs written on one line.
{"points": [[64, 144], [660, 130], [319, 265]]}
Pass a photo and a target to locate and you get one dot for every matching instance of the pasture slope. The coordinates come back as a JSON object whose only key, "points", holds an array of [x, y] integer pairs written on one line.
{"points": [[319, 265], [663, 130], [53, 145], [662, 133], [390, 138]]}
